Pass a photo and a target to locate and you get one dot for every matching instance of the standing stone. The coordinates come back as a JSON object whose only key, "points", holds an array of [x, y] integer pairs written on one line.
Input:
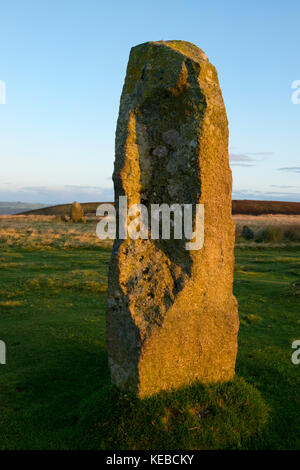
{"points": [[77, 213], [247, 233], [172, 318]]}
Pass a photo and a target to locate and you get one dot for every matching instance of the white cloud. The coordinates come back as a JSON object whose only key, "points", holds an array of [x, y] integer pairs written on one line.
{"points": [[240, 157], [247, 159]]}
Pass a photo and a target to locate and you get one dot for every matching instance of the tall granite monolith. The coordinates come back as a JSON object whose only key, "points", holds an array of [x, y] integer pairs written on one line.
{"points": [[172, 318]]}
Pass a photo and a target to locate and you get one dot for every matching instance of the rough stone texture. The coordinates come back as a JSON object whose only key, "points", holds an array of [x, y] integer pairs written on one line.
{"points": [[77, 213], [171, 316]]}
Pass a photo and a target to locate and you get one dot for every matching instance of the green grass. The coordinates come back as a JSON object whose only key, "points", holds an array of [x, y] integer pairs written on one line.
{"points": [[55, 389]]}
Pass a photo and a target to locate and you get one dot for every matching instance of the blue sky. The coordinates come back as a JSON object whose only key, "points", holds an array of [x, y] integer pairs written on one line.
{"points": [[64, 64]]}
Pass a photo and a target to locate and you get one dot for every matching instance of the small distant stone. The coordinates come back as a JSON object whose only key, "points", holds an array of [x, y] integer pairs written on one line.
{"points": [[66, 218], [247, 233], [77, 213]]}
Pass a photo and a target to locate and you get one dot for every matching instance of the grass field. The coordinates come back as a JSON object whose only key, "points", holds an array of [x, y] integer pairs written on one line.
{"points": [[55, 389]]}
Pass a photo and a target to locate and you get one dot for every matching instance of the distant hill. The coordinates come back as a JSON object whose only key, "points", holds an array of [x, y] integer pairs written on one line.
{"points": [[61, 209], [265, 207], [238, 207], [9, 208]]}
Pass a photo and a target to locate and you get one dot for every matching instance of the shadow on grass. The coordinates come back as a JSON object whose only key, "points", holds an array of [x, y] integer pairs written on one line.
{"points": [[221, 416], [64, 401]]}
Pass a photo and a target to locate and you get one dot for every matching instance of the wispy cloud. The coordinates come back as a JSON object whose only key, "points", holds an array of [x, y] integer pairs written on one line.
{"points": [[247, 159], [293, 169], [240, 157], [284, 187]]}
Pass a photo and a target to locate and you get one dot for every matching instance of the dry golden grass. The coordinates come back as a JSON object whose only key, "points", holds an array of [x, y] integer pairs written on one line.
{"points": [[266, 219], [269, 229], [46, 232], [40, 232]]}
